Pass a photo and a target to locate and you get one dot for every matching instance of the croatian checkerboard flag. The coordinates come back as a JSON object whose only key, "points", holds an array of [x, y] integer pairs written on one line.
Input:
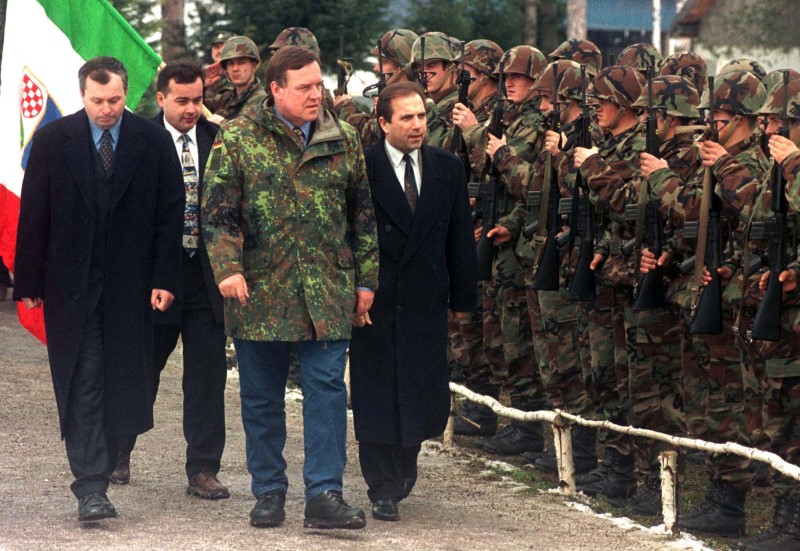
{"points": [[46, 42]]}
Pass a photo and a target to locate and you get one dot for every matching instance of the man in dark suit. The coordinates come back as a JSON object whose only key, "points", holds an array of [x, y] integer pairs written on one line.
{"points": [[196, 315], [99, 247], [428, 276]]}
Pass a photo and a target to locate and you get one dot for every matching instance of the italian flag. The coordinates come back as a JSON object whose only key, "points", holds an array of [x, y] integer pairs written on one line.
{"points": [[46, 42]]}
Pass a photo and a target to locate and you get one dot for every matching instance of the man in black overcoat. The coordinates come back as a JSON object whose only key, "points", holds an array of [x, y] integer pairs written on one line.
{"points": [[196, 316], [428, 275], [99, 248]]}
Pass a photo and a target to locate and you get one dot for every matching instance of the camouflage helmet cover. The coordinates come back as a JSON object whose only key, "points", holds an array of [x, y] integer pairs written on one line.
{"points": [[438, 47], [396, 46], [483, 55], [568, 74], [773, 104], [738, 92], [674, 94], [774, 78], [221, 37], [617, 84], [239, 46], [522, 60], [582, 51], [296, 36], [638, 56], [744, 64], [688, 65]]}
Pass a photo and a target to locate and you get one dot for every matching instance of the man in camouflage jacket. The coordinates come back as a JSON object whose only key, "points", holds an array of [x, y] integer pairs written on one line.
{"points": [[290, 231]]}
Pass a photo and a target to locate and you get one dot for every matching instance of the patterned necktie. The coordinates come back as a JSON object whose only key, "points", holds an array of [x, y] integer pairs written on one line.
{"points": [[410, 184], [191, 229], [299, 131], [105, 150]]}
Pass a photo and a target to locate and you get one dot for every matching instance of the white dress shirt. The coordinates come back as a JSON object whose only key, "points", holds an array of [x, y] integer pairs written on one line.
{"points": [[177, 139], [396, 159]]}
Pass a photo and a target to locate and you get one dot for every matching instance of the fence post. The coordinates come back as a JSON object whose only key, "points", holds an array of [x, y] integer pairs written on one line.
{"points": [[669, 486], [449, 430], [562, 439]]}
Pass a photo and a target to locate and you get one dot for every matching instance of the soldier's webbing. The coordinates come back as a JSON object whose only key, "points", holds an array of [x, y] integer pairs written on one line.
{"points": [[544, 206], [702, 239]]}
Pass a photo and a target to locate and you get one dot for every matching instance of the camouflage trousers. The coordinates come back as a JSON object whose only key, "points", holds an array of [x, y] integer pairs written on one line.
{"points": [[780, 379], [467, 347], [654, 385], [561, 371]]}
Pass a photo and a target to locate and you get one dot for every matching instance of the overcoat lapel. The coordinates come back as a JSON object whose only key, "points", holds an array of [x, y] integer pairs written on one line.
{"points": [[129, 151], [429, 205], [388, 193], [78, 156]]}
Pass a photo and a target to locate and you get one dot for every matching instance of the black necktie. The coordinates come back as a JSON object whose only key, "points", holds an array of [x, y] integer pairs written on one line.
{"points": [[105, 150], [410, 184]]}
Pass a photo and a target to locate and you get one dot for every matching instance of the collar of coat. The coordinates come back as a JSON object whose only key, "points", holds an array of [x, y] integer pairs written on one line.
{"points": [[326, 128]]}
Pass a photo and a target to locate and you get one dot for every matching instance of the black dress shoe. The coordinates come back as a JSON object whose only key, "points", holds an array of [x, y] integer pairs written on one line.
{"points": [[329, 510], [95, 507], [385, 509], [269, 509]]}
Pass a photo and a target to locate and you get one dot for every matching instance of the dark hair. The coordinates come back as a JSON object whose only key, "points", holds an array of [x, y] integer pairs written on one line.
{"points": [[396, 90], [98, 70], [288, 58], [182, 71]]}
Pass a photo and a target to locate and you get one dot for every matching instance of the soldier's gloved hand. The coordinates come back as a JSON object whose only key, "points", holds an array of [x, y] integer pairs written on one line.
{"points": [[711, 152], [235, 287], [463, 117], [581, 154], [650, 164], [780, 148]]}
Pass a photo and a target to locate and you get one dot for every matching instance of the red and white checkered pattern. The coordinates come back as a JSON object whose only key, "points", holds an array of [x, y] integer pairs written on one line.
{"points": [[31, 98]]}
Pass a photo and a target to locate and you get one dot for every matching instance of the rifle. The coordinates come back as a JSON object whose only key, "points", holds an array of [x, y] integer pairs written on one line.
{"points": [[422, 76], [547, 260], [582, 286], [490, 190], [649, 292], [458, 145], [707, 311], [344, 69], [375, 89], [767, 323]]}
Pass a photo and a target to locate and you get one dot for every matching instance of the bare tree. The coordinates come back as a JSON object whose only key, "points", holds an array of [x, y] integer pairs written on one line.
{"points": [[531, 31], [576, 19], [173, 32]]}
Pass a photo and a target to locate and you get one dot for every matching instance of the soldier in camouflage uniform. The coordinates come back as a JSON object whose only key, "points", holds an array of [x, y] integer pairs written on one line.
{"points": [[438, 77], [607, 172], [395, 53], [561, 371], [507, 320], [744, 64], [216, 84], [714, 396], [583, 52], [240, 60], [637, 56], [291, 236]]}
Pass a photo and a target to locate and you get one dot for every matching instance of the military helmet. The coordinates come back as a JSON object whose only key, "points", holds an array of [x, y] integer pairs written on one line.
{"points": [[674, 94], [773, 104], [688, 65], [738, 92], [744, 64], [221, 37], [483, 55], [522, 60], [239, 46], [438, 47], [582, 51], [620, 85], [296, 36], [396, 46], [774, 78], [638, 57], [568, 74]]}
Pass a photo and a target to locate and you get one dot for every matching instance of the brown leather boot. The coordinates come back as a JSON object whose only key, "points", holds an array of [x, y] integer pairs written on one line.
{"points": [[205, 485], [122, 472]]}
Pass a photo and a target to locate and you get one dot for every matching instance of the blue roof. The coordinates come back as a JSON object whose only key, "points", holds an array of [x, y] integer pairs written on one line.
{"points": [[620, 15]]}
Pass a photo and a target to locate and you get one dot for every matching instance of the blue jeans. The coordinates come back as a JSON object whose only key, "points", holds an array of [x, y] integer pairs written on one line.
{"points": [[263, 368]]}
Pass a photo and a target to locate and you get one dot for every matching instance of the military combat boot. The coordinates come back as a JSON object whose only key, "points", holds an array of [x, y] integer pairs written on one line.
{"points": [[475, 420], [516, 438], [785, 531], [620, 480], [598, 473], [647, 500], [721, 512], [584, 452]]}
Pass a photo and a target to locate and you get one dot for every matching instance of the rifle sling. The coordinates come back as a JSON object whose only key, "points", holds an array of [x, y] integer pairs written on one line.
{"points": [[702, 239], [544, 207], [638, 236]]}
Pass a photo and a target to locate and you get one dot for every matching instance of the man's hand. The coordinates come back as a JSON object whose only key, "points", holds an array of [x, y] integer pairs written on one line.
{"points": [[361, 321], [161, 299], [725, 274], [711, 152], [364, 300], [494, 144], [478, 232], [499, 234], [455, 316], [551, 141], [781, 147], [788, 279], [581, 154], [463, 117], [648, 260], [216, 119], [234, 286], [31, 303], [339, 99], [650, 164], [597, 261]]}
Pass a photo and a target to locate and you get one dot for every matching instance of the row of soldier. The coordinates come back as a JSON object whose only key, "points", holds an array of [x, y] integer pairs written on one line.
{"points": [[619, 159]]}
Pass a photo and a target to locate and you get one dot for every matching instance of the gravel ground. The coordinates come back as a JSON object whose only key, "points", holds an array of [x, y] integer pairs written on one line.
{"points": [[455, 504]]}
